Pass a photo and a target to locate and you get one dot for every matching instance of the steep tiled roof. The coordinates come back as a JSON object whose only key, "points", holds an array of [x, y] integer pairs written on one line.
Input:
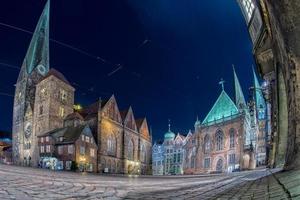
{"points": [[70, 134], [92, 109]]}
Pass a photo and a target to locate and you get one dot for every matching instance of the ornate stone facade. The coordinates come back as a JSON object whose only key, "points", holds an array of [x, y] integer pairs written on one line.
{"points": [[277, 56]]}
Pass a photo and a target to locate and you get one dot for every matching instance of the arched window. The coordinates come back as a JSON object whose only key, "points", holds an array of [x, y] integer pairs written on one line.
{"points": [[111, 145], [130, 150], [232, 138], [219, 140], [206, 144], [143, 153]]}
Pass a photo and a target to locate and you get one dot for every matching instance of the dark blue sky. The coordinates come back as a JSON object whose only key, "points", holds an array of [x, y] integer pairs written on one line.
{"points": [[173, 53]]}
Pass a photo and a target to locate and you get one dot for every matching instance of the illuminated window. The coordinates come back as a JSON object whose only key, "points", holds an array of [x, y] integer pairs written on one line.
{"points": [[70, 149], [248, 8], [82, 138], [92, 152], [47, 139], [48, 148], [219, 140], [232, 138], [111, 145], [42, 149], [87, 139], [42, 140], [82, 150], [61, 111]]}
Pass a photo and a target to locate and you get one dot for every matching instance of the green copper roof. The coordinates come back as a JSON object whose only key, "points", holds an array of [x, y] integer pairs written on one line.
{"points": [[224, 107], [38, 51], [239, 95], [169, 135]]}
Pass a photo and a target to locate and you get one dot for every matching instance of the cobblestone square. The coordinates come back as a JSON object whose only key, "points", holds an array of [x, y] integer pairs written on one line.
{"points": [[30, 183]]}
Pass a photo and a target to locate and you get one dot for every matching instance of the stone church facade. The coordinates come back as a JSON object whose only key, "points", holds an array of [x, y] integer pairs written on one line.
{"points": [[231, 137], [44, 101]]}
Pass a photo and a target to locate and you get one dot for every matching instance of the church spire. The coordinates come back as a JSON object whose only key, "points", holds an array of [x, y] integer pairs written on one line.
{"points": [[37, 55], [258, 95], [239, 95]]}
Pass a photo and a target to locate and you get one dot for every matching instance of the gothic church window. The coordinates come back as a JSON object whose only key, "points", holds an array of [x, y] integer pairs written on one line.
{"points": [[206, 144], [219, 140], [232, 138], [111, 145], [130, 150], [143, 153]]}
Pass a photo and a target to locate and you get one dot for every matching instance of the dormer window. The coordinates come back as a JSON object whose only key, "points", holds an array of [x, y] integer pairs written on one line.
{"points": [[61, 139]]}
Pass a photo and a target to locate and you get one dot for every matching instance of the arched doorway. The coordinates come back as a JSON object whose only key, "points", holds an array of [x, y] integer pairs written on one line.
{"points": [[219, 166]]}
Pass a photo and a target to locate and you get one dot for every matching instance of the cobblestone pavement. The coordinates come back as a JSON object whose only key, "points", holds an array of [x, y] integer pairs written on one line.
{"points": [[29, 183]]}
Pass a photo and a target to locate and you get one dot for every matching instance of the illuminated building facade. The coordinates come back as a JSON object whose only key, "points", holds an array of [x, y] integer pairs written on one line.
{"points": [[44, 101], [229, 138], [168, 156]]}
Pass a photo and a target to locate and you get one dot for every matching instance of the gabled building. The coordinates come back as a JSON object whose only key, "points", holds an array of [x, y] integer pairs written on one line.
{"points": [[124, 142], [227, 137], [64, 147], [168, 157]]}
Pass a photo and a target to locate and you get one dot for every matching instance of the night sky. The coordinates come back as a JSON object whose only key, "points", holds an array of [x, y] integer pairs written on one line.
{"points": [[173, 53]]}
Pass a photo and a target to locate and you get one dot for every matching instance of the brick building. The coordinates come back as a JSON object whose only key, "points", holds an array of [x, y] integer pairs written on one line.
{"points": [[231, 136], [70, 145], [125, 143]]}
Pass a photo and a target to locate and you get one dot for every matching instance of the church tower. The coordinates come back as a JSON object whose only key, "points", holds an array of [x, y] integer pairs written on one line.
{"points": [[35, 66]]}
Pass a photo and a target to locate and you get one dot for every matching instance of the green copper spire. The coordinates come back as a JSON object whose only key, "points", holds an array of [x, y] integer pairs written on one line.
{"points": [[169, 135], [38, 52], [239, 95], [259, 98], [224, 107]]}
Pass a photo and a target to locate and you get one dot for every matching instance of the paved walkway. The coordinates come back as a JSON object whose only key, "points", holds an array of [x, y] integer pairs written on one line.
{"points": [[28, 183]]}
